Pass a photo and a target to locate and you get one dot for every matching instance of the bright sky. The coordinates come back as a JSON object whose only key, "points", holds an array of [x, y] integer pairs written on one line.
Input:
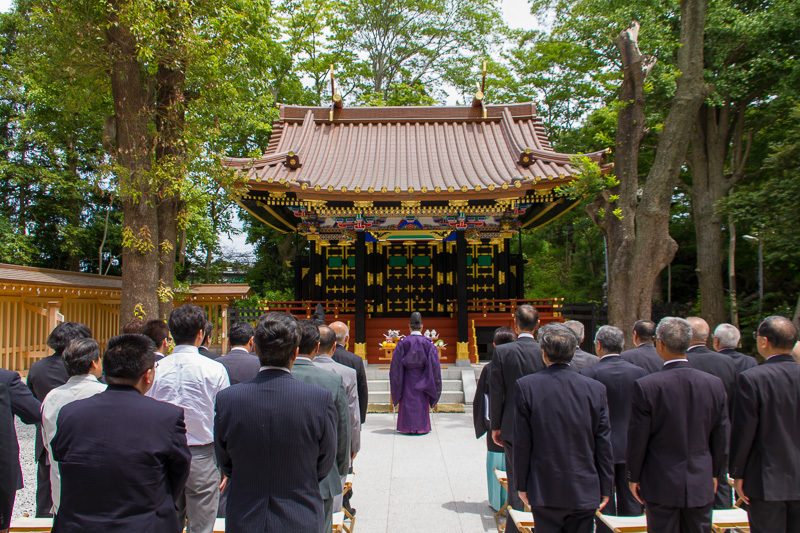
{"points": [[516, 13]]}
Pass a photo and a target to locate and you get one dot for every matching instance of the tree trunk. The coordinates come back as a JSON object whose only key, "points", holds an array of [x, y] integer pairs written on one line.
{"points": [[639, 243], [732, 271], [169, 155], [709, 186], [132, 110]]}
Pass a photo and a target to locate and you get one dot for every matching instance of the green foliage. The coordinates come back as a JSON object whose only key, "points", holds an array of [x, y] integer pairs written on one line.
{"points": [[565, 260]]}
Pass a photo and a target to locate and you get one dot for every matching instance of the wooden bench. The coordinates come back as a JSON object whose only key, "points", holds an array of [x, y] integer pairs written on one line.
{"points": [[502, 478], [721, 520], [29, 524], [522, 519]]}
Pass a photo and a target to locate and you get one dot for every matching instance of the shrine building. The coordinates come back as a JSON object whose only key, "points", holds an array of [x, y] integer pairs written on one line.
{"points": [[410, 209]]}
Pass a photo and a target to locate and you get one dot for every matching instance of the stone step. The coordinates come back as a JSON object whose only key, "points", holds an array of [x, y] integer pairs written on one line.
{"points": [[376, 373], [382, 385], [383, 397]]}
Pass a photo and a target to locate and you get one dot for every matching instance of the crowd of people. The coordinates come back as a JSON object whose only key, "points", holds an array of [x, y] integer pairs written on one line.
{"points": [[137, 440], [653, 429], [266, 434]]}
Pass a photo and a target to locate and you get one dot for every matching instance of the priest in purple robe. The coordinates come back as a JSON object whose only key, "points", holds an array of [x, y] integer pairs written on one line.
{"points": [[416, 379]]}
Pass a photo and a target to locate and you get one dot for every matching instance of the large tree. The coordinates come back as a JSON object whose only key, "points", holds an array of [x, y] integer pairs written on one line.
{"points": [[172, 71], [750, 49]]}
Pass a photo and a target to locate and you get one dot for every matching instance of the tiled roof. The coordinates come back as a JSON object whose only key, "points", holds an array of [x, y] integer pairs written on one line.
{"points": [[44, 276], [408, 149]]}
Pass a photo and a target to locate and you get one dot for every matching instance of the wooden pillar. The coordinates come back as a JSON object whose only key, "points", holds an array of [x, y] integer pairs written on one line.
{"points": [[224, 326], [54, 318], [315, 271], [360, 347], [462, 348], [503, 271]]}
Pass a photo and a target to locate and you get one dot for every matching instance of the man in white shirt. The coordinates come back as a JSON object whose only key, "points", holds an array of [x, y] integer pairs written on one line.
{"points": [[82, 361], [191, 381]]}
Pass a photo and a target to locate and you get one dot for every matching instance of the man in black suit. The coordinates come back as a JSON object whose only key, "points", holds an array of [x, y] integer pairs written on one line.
{"points": [[305, 370], [28, 409], [766, 429], [509, 363], [702, 358], [618, 376], [341, 355], [563, 463], [8, 468], [726, 340], [158, 331], [644, 355], [123, 456], [581, 359], [275, 438], [45, 375], [241, 363], [206, 342], [677, 437]]}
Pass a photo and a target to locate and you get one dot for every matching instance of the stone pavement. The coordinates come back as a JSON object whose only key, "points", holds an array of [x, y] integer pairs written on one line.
{"points": [[403, 484], [432, 483]]}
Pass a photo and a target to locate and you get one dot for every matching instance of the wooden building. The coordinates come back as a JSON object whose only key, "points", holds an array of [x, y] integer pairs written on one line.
{"points": [[409, 208]]}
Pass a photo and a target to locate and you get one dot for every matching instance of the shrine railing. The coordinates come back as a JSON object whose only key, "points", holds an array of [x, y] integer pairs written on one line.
{"points": [[549, 306], [300, 309]]}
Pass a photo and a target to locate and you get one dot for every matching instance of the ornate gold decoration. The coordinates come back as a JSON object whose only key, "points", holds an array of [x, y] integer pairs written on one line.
{"points": [[278, 194], [370, 278], [304, 272], [410, 203], [439, 278], [360, 349], [462, 350], [318, 279], [501, 277], [363, 204], [457, 203], [449, 278]]}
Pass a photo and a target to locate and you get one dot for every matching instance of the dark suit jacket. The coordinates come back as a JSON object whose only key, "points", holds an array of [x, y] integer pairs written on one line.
{"points": [[9, 461], [480, 408], [677, 435], [510, 362], [741, 362], [123, 460], [562, 441], [766, 430], [618, 376], [45, 375], [23, 405], [304, 370], [241, 365], [276, 437], [644, 356], [714, 363], [355, 362], [582, 360], [208, 353]]}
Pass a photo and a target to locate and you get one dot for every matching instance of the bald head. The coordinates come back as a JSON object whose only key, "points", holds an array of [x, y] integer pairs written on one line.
{"points": [[776, 335], [342, 332], [700, 330]]}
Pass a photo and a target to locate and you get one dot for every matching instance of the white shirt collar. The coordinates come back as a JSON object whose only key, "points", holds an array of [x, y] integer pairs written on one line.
{"points": [[675, 361], [610, 355], [416, 333], [303, 357], [525, 335], [283, 368], [693, 346]]}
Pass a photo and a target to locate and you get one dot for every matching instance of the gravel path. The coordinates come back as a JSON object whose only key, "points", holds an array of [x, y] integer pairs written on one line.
{"points": [[26, 497]]}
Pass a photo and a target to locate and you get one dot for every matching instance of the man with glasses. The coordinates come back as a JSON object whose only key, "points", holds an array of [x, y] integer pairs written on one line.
{"points": [[766, 429]]}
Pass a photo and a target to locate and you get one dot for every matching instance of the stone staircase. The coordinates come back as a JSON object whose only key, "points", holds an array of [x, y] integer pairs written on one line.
{"points": [[458, 386]]}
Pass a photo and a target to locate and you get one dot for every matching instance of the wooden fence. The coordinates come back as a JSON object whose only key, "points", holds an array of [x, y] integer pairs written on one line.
{"points": [[33, 301]]}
